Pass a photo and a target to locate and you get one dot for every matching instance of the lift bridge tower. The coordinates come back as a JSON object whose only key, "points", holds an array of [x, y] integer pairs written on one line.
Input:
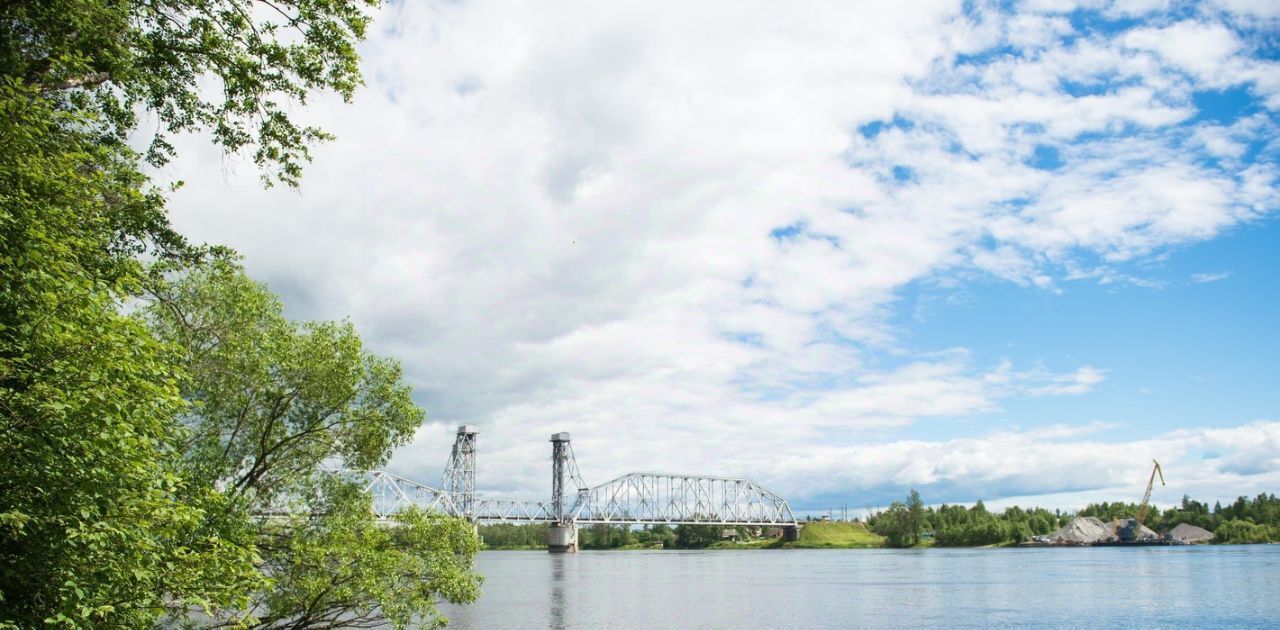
{"points": [[460, 474], [562, 533]]}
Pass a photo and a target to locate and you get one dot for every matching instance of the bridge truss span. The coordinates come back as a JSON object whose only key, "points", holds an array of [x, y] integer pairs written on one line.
{"points": [[662, 498], [508, 510], [392, 493], [642, 498]]}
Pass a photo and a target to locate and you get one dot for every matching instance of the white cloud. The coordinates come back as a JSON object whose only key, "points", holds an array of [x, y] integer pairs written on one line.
{"points": [[1202, 278], [1056, 468], [1083, 380], [1251, 9], [1207, 51], [559, 217]]}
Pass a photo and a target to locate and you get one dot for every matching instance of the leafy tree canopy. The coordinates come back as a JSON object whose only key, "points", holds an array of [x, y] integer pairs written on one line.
{"points": [[271, 402], [110, 511], [229, 67]]}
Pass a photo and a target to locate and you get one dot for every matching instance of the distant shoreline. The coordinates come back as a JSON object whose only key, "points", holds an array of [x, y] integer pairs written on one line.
{"points": [[753, 547]]}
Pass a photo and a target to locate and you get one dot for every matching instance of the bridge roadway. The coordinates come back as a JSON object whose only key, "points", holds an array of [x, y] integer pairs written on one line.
{"points": [[643, 498]]}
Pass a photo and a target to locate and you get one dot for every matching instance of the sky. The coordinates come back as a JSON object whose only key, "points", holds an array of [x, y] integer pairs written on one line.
{"points": [[1009, 251]]}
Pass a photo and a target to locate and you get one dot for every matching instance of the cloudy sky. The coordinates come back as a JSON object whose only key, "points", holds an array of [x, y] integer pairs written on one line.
{"points": [[1009, 251]]}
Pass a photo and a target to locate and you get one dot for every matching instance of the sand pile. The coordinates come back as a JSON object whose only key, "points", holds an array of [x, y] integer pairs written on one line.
{"points": [[1190, 534], [1083, 530], [1144, 532]]}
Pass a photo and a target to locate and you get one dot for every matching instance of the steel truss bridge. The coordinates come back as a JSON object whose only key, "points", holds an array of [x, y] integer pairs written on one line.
{"points": [[643, 498]]}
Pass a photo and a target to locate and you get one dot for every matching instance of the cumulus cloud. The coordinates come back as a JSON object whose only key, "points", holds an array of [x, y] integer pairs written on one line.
{"points": [[1056, 467], [683, 235]]}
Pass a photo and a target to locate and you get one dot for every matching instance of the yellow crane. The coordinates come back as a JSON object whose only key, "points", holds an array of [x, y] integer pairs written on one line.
{"points": [[1129, 529], [1146, 496]]}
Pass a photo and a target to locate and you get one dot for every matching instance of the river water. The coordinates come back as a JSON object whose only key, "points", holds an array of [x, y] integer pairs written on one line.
{"points": [[1204, 586]]}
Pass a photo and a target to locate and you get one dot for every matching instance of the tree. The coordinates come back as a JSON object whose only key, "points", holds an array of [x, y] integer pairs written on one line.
{"points": [[271, 401], [696, 536], [662, 534], [344, 570], [895, 525], [91, 532], [915, 516], [107, 60]]}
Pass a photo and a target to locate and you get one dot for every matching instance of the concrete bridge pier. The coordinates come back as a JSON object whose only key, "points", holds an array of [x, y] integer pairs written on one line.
{"points": [[791, 533], [562, 538]]}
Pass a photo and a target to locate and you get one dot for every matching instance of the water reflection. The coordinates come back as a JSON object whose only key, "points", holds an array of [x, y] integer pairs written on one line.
{"points": [[557, 617]]}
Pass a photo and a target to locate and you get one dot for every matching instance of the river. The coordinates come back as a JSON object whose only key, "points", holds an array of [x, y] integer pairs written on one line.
{"points": [[1204, 586]]}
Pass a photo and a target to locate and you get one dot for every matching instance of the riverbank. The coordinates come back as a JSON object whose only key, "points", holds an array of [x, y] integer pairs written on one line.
{"points": [[817, 535], [813, 535]]}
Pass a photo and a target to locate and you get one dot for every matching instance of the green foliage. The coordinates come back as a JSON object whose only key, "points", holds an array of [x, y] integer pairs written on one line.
{"points": [[696, 536], [656, 535], [1236, 531], [273, 398], [108, 60], [513, 536], [271, 401], [102, 522], [339, 568], [1245, 521], [914, 517], [959, 526], [91, 532], [1240, 517], [601, 536], [895, 525]]}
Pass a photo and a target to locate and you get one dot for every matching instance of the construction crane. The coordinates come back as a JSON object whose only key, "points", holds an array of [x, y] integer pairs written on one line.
{"points": [[1130, 528], [1146, 496]]}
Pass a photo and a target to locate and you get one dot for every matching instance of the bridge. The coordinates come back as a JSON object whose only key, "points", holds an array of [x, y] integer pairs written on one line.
{"points": [[641, 498]]}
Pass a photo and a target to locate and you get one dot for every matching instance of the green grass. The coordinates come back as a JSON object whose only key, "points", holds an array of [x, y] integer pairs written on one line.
{"points": [[822, 535], [764, 543]]}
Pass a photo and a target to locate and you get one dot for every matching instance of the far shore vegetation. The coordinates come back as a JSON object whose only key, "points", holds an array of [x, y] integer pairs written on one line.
{"points": [[912, 524]]}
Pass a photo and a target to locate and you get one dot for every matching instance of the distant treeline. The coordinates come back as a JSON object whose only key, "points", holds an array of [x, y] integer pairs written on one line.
{"points": [[910, 523]]}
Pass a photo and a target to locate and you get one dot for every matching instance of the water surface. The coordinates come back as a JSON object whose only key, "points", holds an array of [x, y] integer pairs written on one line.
{"points": [[1220, 586]]}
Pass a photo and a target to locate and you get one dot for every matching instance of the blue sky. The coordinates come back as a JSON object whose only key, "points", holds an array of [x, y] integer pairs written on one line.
{"points": [[1194, 343], [1009, 251]]}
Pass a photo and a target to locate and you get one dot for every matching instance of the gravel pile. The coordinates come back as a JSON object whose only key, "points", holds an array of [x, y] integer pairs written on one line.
{"points": [[1144, 532], [1190, 534], [1083, 530]]}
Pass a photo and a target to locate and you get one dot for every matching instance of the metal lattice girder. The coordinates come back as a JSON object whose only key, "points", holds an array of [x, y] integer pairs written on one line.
{"points": [[392, 493], [514, 510], [634, 499], [653, 498]]}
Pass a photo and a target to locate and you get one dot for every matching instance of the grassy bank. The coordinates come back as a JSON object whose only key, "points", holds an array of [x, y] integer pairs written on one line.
{"points": [[817, 536], [835, 536]]}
